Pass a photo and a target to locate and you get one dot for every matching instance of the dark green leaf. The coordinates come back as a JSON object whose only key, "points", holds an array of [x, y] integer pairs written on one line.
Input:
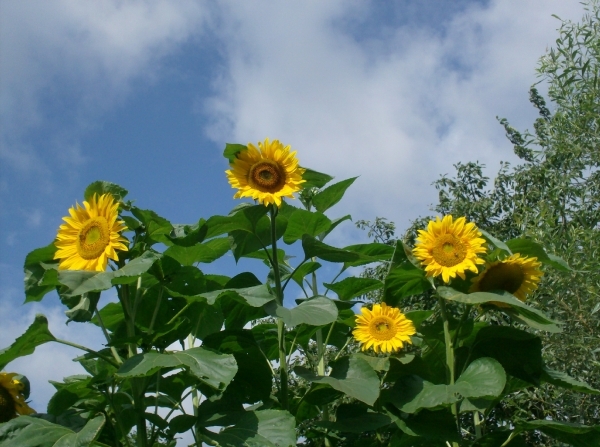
{"points": [[157, 228], [316, 311], [208, 366], [26, 431], [303, 222], [576, 435], [266, 428], [35, 335], [352, 287], [206, 252], [403, 281], [353, 376], [188, 235], [563, 380], [99, 187], [314, 248], [36, 266], [527, 247]]}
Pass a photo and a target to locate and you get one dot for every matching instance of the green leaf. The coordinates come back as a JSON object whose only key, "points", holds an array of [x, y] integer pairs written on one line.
{"points": [[36, 266], [231, 151], [210, 367], [483, 378], [495, 242], [576, 435], [37, 334], [303, 222], [99, 187], [334, 224], [188, 235], [377, 363], [353, 376], [316, 311], [314, 179], [331, 195], [529, 248], [266, 428], [305, 269], [563, 380], [351, 287], [373, 252], [316, 249], [255, 296], [519, 352], [83, 311], [157, 228], [206, 252], [26, 431], [517, 310], [403, 281]]}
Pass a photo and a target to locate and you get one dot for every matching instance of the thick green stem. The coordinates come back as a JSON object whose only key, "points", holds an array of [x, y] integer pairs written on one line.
{"points": [[449, 356], [477, 423], [283, 372]]}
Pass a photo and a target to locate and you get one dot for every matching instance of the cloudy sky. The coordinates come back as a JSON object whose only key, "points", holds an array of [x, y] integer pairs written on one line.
{"points": [[146, 94]]}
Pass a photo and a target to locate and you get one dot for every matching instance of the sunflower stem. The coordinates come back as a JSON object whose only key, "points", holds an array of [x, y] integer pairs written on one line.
{"points": [[114, 351], [91, 351], [283, 370], [449, 356]]}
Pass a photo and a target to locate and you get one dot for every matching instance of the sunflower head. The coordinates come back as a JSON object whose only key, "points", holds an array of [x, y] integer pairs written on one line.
{"points": [[384, 328], [449, 248], [90, 235], [12, 400], [516, 274], [265, 174]]}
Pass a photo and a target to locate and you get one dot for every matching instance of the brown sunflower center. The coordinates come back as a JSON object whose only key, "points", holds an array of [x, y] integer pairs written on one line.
{"points": [[382, 328], [7, 405], [267, 176], [449, 250], [93, 238], [503, 276]]}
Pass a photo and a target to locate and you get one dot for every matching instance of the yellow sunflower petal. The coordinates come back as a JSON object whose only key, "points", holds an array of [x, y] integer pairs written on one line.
{"points": [[90, 236], [449, 248]]}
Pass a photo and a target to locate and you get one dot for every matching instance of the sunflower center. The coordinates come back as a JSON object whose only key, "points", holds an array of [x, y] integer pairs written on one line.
{"points": [[93, 238], [449, 250], [7, 405], [382, 328], [267, 176], [503, 276]]}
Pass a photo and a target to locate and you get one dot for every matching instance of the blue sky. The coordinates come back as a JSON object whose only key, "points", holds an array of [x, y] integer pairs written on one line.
{"points": [[147, 93]]}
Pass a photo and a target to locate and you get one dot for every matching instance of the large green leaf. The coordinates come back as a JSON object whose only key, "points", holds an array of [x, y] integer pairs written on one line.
{"points": [[314, 179], [352, 287], [188, 235], [316, 311], [483, 378], [79, 282], [26, 431], [211, 367], [37, 334], [245, 218], [305, 269], [373, 252], [563, 380], [266, 428], [255, 296], [206, 252], [518, 309], [303, 222], [532, 249], [353, 376], [519, 352], [403, 281], [576, 435], [157, 228], [36, 265], [316, 249], [331, 195]]}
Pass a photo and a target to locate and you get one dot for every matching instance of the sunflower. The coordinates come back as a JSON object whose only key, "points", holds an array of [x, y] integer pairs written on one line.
{"points": [[267, 174], [516, 274], [384, 328], [90, 235], [449, 248], [12, 401]]}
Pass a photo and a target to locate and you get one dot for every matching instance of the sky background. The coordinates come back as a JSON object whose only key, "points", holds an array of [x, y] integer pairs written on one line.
{"points": [[146, 94]]}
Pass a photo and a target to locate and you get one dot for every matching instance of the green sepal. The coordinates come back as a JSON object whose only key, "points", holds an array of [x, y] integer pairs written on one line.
{"points": [[100, 187], [232, 149]]}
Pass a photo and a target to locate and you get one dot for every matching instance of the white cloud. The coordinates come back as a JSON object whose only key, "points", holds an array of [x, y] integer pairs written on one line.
{"points": [[93, 51], [397, 110]]}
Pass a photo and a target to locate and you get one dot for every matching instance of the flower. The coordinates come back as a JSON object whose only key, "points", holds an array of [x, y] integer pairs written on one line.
{"points": [[266, 175], [12, 401], [516, 274], [90, 235], [449, 248], [384, 328]]}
